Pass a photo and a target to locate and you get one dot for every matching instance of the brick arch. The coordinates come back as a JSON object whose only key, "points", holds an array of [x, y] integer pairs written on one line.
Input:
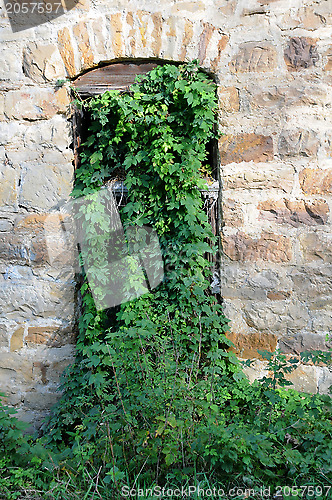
{"points": [[139, 34]]}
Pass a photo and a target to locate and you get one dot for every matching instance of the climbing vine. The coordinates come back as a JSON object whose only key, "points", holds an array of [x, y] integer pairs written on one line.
{"points": [[155, 395], [149, 371]]}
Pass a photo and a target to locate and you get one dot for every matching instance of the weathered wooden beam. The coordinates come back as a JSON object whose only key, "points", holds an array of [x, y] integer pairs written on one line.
{"points": [[118, 76]]}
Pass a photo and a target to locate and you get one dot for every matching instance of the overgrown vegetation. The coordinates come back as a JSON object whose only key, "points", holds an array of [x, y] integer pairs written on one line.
{"points": [[155, 397]]}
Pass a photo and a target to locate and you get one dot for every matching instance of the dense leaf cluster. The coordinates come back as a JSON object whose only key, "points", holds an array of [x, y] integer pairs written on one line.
{"points": [[147, 376]]}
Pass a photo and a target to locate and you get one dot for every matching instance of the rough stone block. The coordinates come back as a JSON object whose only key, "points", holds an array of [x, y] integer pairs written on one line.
{"points": [[49, 335], [322, 319], [2, 107], [232, 213], [67, 52], [324, 11], [84, 46], [328, 55], [115, 26], [269, 247], [6, 225], [188, 6], [34, 223], [249, 280], [37, 299], [43, 187], [12, 134], [316, 246], [277, 316], [16, 340], [14, 248], [47, 242], [324, 379], [259, 178], [211, 38], [254, 57], [57, 368], [266, 279], [226, 8], [305, 17], [39, 369], [46, 136], [16, 369], [12, 398], [246, 345], [243, 292], [11, 64], [36, 245], [8, 184], [256, 370], [34, 400], [43, 62], [294, 143], [313, 285], [50, 362], [233, 310], [4, 335], [245, 147], [54, 250], [316, 181], [295, 213], [39, 251], [35, 104], [301, 52], [282, 96], [295, 344], [304, 379], [9, 380], [18, 274], [156, 42], [229, 101]]}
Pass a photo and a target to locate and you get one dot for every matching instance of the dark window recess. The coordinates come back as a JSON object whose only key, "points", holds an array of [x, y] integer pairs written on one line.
{"points": [[120, 76]]}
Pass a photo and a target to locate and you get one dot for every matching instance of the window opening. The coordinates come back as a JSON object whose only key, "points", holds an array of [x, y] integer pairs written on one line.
{"points": [[119, 76]]}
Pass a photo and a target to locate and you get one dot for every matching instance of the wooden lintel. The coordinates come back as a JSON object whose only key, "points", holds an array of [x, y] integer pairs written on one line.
{"points": [[117, 76]]}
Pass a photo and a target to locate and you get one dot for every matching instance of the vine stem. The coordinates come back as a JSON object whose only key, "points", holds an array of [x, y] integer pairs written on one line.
{"points": [[118, 388]]}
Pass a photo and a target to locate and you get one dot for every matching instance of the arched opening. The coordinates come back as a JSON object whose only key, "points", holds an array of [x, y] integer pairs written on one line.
{"points": [[120, 76]]}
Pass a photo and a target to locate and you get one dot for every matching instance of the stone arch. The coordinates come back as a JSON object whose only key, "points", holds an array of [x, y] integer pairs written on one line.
{"points": [[122, 36]]}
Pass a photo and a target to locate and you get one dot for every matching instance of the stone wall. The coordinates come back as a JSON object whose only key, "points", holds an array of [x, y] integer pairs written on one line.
{"points": [[272, 61]]}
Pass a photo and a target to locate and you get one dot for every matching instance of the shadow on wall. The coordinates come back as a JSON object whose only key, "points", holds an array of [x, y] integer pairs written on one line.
{"points": [[30, 14]]}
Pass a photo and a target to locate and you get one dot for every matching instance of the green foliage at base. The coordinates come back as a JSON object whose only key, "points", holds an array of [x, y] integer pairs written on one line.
{"points": [[262, 437], [155, 397]]}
